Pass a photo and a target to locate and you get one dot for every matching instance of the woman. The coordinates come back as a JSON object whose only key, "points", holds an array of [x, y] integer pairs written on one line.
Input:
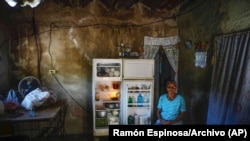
{"points": [[171, 106]]}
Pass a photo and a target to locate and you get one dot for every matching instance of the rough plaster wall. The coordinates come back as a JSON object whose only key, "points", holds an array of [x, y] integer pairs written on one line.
{"points": [[205, 21], [68, 40], [3, 61]]}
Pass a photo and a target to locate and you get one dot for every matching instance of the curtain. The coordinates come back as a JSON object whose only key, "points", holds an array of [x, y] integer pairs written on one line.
{"points": [[152, 46], [229, 99], [172, 54]]}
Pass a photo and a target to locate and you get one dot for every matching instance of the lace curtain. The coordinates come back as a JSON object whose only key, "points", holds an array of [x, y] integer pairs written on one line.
{"points": [[152, 45]]}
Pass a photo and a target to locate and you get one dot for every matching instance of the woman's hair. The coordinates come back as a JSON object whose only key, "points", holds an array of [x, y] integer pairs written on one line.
{"points": [[171, 81]]}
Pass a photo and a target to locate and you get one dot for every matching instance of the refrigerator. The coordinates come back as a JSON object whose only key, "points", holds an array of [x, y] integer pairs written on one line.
{"points": [[114, 83]]}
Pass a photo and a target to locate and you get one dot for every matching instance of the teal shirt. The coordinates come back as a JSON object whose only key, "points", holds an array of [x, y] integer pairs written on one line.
{"points": [[171, 109]]}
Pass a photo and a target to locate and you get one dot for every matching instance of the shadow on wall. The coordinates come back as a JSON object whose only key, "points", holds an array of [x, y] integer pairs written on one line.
{"points": [[198, 107]]}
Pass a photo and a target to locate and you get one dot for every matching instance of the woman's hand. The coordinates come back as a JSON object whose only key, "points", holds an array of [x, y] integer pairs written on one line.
{"points": [[164, 122]]}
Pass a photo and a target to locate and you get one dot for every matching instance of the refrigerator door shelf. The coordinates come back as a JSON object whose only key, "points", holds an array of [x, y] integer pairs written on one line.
{"points": [[136, 105], [138, 101]]}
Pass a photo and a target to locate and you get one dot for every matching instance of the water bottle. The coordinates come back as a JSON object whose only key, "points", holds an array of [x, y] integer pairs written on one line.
{"points": [[140, 100], [136, 119], [130, 101], [131, 119], [146, 100]]}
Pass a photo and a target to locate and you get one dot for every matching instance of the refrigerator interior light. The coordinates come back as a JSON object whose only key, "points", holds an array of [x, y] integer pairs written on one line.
{"points": [[113, 95]]}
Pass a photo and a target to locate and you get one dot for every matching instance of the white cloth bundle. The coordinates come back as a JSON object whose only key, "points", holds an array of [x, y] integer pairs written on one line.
{"points": [[35, 98]]}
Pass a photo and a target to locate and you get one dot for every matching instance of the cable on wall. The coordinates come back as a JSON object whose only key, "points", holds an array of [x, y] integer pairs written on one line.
{"points": [[37, 45]]}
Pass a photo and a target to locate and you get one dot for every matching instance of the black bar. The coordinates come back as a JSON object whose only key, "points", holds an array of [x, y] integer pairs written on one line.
{"points": [[160, 132]]}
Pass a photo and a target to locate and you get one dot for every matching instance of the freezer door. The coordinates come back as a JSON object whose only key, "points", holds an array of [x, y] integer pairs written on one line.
{"points": [[138, 69]]}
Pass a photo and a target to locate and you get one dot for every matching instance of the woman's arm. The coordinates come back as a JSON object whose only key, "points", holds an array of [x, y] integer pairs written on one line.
{"points": [[163, 122], [180, 117]]}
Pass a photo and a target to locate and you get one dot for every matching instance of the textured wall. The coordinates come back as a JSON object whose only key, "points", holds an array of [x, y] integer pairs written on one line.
{"points": [[67, 39], [204, 20]]}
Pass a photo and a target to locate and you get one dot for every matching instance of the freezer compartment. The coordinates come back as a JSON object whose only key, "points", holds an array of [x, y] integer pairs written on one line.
{"points": [[138, 69], [107, 69]]}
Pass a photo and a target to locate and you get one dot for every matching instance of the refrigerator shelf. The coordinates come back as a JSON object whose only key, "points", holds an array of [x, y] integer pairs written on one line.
{"points": [[138, 106], [136, 92], [110, 109], [111, 101], [104, 118]]}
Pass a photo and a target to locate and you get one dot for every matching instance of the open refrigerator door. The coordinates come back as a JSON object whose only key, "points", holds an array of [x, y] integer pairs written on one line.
{"points": [[138, 102]]}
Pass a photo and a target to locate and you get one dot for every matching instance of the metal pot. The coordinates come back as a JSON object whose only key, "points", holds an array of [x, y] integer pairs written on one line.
{"points": [[101, 113], [110, 105]]}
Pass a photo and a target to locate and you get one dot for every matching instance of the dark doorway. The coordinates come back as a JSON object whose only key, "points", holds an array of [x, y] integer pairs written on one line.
{"points": [[163, 73]]}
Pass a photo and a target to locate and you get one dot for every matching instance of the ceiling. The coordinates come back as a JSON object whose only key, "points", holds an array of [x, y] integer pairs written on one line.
{"points": [[109, 4], [125, 4]]}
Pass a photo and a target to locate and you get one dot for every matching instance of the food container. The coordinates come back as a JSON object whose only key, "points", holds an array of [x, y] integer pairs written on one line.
{"points": [[113, 121], [101, 113], [115, 113], [101, 122], [111, 105]]}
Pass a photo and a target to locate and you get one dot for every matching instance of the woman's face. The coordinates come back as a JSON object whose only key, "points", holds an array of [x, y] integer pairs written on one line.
{"points": [[171, 88]]}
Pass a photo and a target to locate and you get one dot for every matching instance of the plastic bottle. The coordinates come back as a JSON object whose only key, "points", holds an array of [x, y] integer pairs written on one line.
{"points": [[146, 100], [131, 119], [140, 100], [130, 101], [136, 119]]}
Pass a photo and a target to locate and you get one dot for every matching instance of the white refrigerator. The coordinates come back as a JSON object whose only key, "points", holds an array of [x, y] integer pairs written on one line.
{"points": [[114, 82]]}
